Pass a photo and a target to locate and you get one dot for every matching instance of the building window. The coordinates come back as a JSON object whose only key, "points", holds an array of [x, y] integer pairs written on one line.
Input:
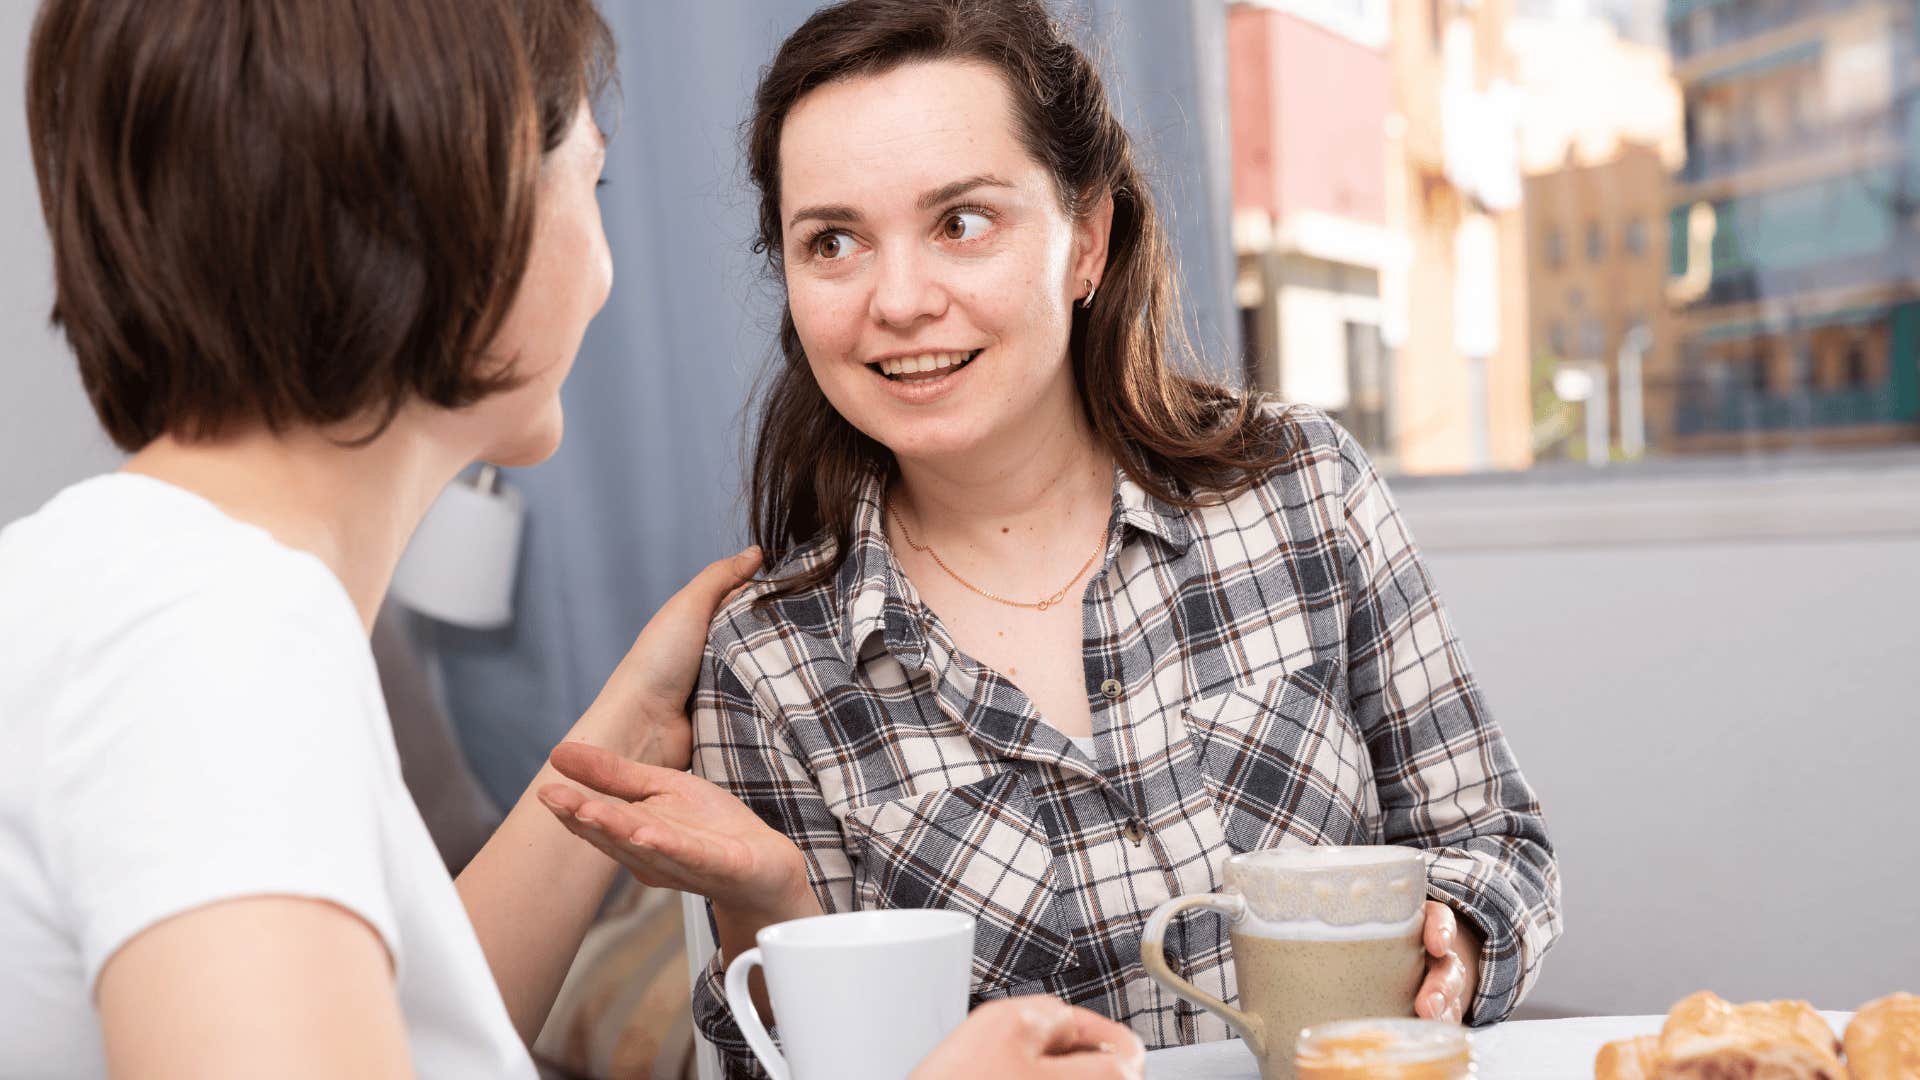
{"points": [[1366, 412], [1802, 109], [1593, 338], [1636, 238], [1556, 253], [1757, 373], [1710, 122], [1557, 339], [1855, 365], [1596, 242]]}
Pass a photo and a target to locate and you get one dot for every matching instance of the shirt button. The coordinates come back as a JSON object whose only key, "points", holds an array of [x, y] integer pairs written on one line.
{"points": [[1110, 689], [1136, 832]]}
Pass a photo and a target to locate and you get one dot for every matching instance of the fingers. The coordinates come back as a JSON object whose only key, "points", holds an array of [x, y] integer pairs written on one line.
{"points": [[1441, 929], [1084, 1029], [561, 799], [590, 825], [716, 584], [1442, 993], [1122, 1061], [1045, 1025], [609, 773], [634, 834], [1081, 1045]]}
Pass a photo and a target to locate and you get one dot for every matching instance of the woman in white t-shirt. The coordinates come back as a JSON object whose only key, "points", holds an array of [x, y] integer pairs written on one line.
{"points": [[313, 259]]}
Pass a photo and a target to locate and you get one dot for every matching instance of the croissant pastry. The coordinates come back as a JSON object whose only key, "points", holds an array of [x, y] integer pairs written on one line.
{"points": [[1628, 1059], [1706, 1038], [1883, 1041]]}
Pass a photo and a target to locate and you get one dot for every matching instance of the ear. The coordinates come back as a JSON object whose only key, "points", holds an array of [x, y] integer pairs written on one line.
{"points": [[1090, 235]]}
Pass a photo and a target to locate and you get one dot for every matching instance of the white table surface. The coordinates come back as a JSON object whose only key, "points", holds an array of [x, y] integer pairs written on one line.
{"points": [[1517, 1050]]}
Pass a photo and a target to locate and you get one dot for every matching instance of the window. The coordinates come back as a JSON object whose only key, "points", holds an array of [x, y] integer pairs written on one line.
{"points": [[1710, 121], [1593, 338], [1367, 386], [1855, 365], [1746, 121], [1738, 204], [1773, 113]]}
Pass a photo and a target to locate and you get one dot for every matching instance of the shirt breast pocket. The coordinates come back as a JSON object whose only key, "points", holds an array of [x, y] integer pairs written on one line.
{"points": [[1285, 763], [982, 849]]}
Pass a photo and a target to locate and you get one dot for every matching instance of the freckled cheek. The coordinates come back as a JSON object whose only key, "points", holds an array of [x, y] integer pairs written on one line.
{"points": [[827, 317]]}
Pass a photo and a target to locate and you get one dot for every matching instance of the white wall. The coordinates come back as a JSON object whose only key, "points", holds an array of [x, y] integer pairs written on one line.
{"points": [[1725, 733], [48, 437]]}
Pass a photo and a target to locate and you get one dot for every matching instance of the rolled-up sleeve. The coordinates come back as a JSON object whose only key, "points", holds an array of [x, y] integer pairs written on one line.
{"points": [[738, 748], [1447, 780]]}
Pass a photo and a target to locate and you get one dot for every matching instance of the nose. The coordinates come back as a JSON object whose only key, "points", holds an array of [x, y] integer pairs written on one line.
{"points": [[905, 290]]}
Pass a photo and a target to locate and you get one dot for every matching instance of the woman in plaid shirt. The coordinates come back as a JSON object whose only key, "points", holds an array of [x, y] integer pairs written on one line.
{"points": [[1052, 629]]}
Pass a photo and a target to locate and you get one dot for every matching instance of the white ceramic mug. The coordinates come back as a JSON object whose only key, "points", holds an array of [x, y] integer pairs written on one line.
{"points": [[856, 995]]}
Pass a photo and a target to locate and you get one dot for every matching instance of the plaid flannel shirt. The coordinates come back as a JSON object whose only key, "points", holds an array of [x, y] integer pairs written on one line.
{"points": [[1269, 670]]}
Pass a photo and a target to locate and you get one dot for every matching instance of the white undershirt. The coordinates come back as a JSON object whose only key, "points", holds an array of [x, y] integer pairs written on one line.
{"points": [[190, 713]]}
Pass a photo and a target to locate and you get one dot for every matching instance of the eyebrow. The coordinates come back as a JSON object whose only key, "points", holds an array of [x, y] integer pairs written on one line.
{"points": [[840, 213]]}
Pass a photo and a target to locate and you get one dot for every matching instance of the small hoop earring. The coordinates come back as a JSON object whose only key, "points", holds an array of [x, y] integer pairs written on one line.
{"points": [[1087, 300]]}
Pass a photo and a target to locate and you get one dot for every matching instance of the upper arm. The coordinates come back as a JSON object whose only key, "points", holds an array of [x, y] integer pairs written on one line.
{"points": [[260, 986], [1439, 759], [738, 748]]}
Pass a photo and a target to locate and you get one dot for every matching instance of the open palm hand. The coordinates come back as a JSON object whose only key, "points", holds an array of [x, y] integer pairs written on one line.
{"points": [[672, 829]]}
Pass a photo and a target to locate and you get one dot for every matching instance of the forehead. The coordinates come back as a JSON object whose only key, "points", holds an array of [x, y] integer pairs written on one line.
{"points": [[884, 138]]}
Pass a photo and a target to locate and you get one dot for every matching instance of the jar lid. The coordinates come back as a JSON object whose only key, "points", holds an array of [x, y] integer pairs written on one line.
{"points": [[1370, 1044]]}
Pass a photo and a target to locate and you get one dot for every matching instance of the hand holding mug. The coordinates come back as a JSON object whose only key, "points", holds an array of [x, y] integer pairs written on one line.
{"points": [[1453, 966]]}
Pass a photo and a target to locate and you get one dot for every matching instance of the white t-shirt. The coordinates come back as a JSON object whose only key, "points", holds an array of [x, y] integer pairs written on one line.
{"points": [[189, 712]]}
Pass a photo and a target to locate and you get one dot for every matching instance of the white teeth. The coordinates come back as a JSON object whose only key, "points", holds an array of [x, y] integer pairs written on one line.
{"points": [[910, 365]]}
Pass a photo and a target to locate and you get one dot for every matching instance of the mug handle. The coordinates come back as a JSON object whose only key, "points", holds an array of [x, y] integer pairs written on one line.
{"points": [[1153, 954], [740, 1000]]}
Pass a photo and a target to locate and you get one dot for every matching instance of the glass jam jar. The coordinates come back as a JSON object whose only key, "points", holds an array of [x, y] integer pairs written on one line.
{"points": [[1386, 1049]]}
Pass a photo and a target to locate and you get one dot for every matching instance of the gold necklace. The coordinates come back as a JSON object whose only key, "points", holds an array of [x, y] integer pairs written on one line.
{"points": [[1039, 605]]}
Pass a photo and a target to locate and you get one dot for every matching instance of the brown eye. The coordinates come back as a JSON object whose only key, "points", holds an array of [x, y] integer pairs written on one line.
{"points": [[964, 225], [830, 246]]}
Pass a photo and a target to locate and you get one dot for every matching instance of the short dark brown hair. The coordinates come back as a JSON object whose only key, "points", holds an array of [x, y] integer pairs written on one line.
{"points": [[1183, 439], [295, 211]]}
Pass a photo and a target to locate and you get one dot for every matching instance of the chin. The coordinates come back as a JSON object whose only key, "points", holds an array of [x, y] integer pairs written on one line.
{"points": [[532, 447], [930, 441]]}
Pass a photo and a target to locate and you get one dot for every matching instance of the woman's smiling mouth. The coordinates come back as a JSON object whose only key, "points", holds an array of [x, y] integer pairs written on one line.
{"points": [[922, 367]]}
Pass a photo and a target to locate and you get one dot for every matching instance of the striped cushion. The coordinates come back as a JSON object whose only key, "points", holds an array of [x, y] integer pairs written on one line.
{"points": [[623, 1012]]}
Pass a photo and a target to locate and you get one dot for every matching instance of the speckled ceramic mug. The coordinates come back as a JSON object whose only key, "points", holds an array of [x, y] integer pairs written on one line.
{"points": [[1319, 934]]}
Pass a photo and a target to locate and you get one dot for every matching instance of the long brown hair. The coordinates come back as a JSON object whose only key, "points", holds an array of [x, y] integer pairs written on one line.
{"points": [[1180, 438]]}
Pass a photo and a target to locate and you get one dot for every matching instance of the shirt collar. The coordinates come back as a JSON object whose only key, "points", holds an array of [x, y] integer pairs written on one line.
{"points": [[878, 598], [1133, 506]]}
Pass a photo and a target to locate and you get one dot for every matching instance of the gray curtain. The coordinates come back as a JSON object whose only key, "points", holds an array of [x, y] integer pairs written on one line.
{"points": [[647, 486]]}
